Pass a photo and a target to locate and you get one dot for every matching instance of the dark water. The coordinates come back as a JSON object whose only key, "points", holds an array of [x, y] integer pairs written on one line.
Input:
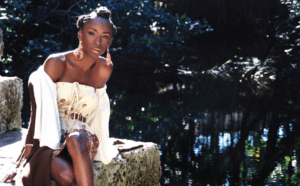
{"points": [[211, 132]]}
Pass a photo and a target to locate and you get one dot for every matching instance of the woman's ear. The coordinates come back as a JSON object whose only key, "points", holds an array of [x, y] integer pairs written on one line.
{"points": [[80, 34]]}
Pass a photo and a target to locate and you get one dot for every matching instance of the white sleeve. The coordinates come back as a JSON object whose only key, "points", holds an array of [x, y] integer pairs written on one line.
{"points": [[100, 126], [47, 124]]}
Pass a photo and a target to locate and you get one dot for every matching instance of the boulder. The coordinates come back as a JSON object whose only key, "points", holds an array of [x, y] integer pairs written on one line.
{"points": [[135, 167], [11, 143], [132, 168], [11, 103]]}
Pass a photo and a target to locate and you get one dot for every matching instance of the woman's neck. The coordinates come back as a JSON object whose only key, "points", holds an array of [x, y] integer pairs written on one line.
{"points": [[86, 64]]}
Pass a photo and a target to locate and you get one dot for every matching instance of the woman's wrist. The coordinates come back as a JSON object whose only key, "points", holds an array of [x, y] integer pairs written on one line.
{"points": [[28, 145]]}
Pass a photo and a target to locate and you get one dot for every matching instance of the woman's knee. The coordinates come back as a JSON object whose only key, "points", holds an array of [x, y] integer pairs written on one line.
{"points": [[77, 142]]}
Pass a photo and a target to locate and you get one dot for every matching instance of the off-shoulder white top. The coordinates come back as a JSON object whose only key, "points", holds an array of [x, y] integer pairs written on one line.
{"points": [[57, 102], [81, 105]]}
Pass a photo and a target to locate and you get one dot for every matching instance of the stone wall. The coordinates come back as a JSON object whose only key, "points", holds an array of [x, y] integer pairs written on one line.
{"points": [[11, 103]]}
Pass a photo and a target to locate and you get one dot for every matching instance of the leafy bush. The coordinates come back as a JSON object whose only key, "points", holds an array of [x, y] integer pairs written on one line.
{"points": [[35, 29], [147, 38]]}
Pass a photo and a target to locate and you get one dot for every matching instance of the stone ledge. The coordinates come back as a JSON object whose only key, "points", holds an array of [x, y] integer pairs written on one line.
{"points": [[11, 103], [11, 144], [136, 167], [133, 168]]}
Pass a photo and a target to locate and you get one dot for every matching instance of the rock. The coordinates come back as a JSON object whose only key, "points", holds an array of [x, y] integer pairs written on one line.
{"points": [[11, 103], [11, 144], [132, 168], [136, 167]]}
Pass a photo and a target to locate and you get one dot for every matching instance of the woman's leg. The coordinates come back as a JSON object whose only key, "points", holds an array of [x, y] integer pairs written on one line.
{"points": [[62, 170], [77, 146]]}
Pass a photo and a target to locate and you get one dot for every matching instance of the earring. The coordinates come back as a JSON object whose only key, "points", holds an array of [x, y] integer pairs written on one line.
{"points": [[108, 57], [78, 53]]}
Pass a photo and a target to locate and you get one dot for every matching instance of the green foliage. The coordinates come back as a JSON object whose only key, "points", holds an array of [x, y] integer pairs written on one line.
{"points": [[27, 39], [150, 30], [35, 29], [232, 17], [146, 35], [294, 7]]}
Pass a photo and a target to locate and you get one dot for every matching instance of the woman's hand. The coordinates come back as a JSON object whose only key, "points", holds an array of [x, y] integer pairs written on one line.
{"points": [[117, 142], [28, 149], [122, 146]]}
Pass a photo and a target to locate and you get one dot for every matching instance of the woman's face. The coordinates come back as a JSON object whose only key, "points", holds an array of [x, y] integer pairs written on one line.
{"points": [[96, 37]]}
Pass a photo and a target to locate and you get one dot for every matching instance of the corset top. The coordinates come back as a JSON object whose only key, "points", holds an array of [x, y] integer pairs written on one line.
{"points": [[77, 101]]}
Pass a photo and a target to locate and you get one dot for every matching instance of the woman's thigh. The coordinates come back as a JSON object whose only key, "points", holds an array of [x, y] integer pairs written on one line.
{"points": [[62, 169]]}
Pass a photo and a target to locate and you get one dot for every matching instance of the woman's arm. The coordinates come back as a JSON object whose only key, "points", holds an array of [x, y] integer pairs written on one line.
{"points": [[54, 68], [29, 139]]}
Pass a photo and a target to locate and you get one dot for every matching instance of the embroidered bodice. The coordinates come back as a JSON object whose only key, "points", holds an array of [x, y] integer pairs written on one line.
{"points": [[75, 103]]}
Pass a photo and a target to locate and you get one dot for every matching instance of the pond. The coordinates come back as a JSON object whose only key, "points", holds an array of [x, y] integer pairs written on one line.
{"points": [[211, 132]]}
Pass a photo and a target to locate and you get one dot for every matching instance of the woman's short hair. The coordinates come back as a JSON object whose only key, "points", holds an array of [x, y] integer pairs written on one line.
{"points": [[101, 11]]}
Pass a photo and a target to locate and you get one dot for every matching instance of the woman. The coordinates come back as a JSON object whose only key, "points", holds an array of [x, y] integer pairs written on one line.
{"points": [[68, 98]]}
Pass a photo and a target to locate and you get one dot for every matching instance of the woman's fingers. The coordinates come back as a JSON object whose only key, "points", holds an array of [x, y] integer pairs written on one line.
{"points": [[122, 148], [118, 142], [8, 178], [27, 151]]}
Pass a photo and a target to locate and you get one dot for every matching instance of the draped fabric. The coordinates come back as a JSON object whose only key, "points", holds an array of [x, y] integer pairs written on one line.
{"points": [[47, 125]]}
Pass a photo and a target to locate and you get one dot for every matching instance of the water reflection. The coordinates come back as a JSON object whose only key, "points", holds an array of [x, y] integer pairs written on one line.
{"points": [[212, 132]]}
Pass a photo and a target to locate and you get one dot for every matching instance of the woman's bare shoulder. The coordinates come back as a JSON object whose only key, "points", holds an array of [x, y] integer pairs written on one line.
{"points": [[55, 65], [104, 70], [102, 60]]}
